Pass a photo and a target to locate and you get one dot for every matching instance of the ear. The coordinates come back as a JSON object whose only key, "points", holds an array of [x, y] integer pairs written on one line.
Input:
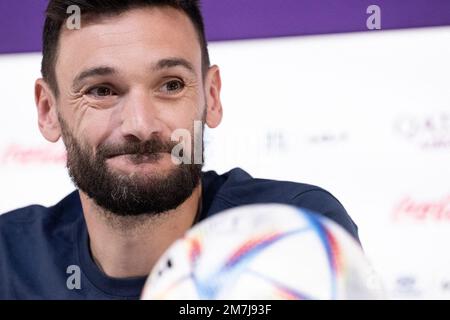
{"points": [[214, 110], [47, 113]]}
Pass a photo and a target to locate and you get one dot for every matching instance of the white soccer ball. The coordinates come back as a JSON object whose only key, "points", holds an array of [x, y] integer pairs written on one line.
{"points": [[264, 251]]}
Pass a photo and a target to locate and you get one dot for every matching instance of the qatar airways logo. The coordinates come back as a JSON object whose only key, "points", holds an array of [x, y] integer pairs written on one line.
{"points": [[428, 132], [409, 209]]}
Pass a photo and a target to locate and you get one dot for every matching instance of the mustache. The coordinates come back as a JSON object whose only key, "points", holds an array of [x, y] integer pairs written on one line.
{"points": [[145, 148]]}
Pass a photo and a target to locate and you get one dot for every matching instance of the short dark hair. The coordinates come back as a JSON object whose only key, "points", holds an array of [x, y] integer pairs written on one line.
{"points": [[56, 16]]}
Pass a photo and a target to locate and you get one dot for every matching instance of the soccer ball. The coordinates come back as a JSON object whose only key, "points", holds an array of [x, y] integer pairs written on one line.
{"points": [[264, 251]]}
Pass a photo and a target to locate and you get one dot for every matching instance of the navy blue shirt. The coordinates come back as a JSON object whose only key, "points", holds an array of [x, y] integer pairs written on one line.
{"points": [[40, 247]]}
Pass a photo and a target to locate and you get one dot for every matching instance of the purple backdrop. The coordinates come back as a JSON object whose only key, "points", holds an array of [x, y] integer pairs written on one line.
{"points": [[21, 20]]}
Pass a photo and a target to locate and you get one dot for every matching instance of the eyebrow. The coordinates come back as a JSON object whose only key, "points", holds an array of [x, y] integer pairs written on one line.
{"points": [[106, 70], [92, 72], [173, 62]]}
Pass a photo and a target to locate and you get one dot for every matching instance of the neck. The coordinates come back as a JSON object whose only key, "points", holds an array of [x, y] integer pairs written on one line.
{"points": [[126, 247]]}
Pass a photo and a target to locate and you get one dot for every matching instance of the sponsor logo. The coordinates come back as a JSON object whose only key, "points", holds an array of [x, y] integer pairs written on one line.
{"points": [[422, 211], [428, 132], [327, 138], [25, 155]]}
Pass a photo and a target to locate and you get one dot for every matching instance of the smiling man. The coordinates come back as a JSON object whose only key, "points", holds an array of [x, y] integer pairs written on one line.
{"points": [[115, 90]]}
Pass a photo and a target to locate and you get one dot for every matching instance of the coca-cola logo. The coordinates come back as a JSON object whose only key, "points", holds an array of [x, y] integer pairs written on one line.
{"points": [[421, 211], [430, 131], [25, 155]]}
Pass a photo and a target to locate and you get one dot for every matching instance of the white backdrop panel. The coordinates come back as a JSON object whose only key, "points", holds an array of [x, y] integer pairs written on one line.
{"points": [[364, 115]]}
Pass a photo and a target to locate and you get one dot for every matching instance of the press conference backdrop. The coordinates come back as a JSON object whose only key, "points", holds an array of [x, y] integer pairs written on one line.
{"points": [[365, 115]]}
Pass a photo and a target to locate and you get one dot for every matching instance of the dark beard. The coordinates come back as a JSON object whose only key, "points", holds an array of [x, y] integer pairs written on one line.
{"points": [[126, 195]]}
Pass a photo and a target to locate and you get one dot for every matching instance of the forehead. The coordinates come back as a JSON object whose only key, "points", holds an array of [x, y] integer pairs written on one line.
{"points": [[136, 37]]}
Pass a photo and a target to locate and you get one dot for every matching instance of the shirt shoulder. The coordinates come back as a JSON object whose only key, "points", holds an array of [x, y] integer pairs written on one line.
{"points": [[35, 213], [237, 187], [35, 243]]}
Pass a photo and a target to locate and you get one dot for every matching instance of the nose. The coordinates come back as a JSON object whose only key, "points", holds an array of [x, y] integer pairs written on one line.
{"points": [[140, 116]]}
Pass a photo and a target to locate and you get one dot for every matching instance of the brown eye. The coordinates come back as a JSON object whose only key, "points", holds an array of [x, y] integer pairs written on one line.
{"points": [[100, 92], [173, 86]]}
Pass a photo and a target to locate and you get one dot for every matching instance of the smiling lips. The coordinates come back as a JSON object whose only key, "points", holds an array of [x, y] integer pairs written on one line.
{"points": [[141, 158]]}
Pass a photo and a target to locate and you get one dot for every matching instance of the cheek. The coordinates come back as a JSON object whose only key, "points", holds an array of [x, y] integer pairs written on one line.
{"points": [[185, 121], [96, 125], [181, 115]]}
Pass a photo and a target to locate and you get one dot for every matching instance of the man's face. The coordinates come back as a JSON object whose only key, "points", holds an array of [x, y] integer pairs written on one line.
{"points": [[126, 83]]}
